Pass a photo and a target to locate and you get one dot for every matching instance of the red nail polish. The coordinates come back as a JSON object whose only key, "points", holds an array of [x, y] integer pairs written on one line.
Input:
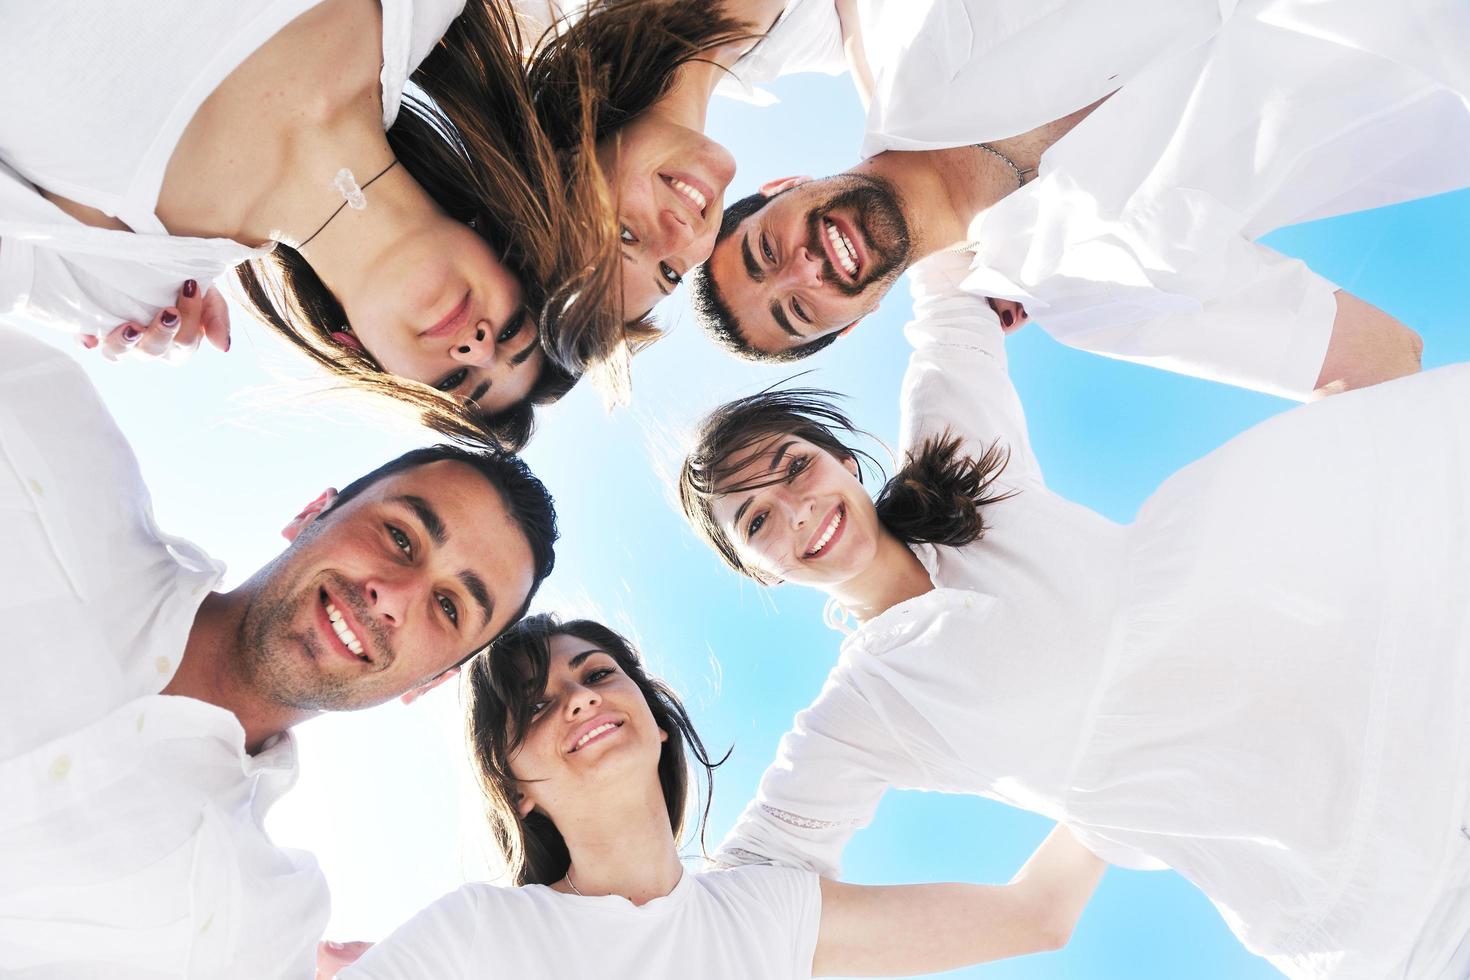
{"points": [[169, 319], [227, 345], [190, 288], [1007, 317], [130, 334]]}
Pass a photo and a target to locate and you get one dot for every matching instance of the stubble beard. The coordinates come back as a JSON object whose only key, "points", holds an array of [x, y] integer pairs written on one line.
{"points": [[878, 212]]}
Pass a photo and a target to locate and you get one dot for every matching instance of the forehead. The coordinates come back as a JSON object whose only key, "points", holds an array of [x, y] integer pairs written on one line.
{"points": [[754, 465], [565, 646], [480, 535]]}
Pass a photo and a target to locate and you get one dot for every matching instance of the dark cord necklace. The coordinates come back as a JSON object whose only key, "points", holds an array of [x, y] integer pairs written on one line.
{"points": [[351, 194]]}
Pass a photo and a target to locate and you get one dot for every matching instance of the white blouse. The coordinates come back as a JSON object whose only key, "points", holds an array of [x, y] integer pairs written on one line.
{"points": [[94, 96], [1263, 682], [1229, 120], [735, 924], [131, 823]]}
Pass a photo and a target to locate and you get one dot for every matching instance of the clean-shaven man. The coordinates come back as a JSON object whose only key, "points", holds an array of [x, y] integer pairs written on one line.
{"points": [[1156, 141], [145, 716]]}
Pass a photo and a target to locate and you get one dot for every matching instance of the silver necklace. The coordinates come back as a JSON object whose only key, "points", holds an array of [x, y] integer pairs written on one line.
{"points": [[1021, 175]]}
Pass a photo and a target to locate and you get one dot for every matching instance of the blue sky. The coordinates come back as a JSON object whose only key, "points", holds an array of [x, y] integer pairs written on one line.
{"points": [[233, 445]]}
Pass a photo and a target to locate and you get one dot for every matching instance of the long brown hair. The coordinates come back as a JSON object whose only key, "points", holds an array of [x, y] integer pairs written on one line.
{"points": [[935, 497], [627, 53], [501, 685], [477, 148]]}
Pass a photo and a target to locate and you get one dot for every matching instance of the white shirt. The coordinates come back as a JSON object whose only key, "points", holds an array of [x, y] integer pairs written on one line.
{"points": [[1289, 733], [94, 96], [737, 924], [1229, 120], [131, 840]]}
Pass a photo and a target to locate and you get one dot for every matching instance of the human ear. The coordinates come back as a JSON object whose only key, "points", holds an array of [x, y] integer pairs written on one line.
{"points": [[524, 805], [850, 463], [773, 187], [346, 338], [309, 513], [409, 697]]}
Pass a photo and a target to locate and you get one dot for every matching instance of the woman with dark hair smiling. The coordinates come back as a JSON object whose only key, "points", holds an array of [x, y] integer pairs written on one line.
{"points": [[1262, 682], [583, 761], [413, 243]]}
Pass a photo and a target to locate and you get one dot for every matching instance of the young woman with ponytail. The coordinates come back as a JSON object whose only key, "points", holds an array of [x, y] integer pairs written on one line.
{"points": [[1262, 682], [585, 763]]}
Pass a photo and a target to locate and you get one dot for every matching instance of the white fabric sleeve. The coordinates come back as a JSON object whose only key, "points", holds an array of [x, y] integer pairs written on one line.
{"points": [[830, 772], [438, 942], [806, 38], [957, 380], [1265, 325]]}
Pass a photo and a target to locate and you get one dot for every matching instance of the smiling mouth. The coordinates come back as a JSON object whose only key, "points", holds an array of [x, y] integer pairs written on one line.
{"points": [[596, 733], [841, 248], [696, 198], [833, 526], [344, 633]]}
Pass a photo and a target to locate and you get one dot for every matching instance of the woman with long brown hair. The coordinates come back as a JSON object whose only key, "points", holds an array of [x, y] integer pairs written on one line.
{"points": [[1262, 682], [584, 761], [412, 242]]}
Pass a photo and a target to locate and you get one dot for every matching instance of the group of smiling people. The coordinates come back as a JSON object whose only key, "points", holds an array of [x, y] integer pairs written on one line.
{"points": [[469, 205]]}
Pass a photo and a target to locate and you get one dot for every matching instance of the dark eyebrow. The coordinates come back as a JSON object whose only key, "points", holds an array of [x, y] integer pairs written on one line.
{"points": [[779, 315], [427, 516], [775, 461], [520, 356], [580, 658], [475, 586], [752, 268], [480, 391]]}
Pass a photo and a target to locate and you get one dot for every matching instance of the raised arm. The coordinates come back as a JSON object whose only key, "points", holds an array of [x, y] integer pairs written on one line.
{"points": [[903, 930]]}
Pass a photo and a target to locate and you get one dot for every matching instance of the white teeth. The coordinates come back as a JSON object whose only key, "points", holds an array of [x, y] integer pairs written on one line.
{"points": [[593, 734], [339, 625], [846, 254], [696, 198], [826, 535]]}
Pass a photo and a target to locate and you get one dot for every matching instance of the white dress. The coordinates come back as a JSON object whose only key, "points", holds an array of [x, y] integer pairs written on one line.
{"points": [[1229, 120], [132, 844], [94, 96], [1262, 682], [735, 924]]}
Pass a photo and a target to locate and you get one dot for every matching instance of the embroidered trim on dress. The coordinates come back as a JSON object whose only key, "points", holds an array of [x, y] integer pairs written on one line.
{"points": [[806, 823]]}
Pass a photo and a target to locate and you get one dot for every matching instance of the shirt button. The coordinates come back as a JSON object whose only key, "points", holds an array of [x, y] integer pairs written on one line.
{"points": [[162, 665], [969, 602], [208, 921], [60, 767], [37, 489], [141, 719]]}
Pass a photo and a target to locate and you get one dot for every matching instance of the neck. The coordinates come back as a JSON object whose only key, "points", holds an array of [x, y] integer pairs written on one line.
{"points": [[210, 671], [946, 191], [346, 253], [626, 850], [894, 575]]}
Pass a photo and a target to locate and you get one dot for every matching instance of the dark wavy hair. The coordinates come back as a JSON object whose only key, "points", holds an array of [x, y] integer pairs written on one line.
{"points": [[476, 147], [626, 53], [936, 497], [500, 687]]}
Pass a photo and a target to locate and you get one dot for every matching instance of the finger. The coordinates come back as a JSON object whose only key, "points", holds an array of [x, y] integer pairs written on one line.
{"points": [[159, 336], [215, 317], [87, 340], [121, 340]]}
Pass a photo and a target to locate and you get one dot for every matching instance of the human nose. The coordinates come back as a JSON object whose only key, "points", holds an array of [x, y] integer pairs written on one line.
{"points": [[675, 232], [476, 347], [799, 508], [390, 597], [581, 700], [802, 269]]}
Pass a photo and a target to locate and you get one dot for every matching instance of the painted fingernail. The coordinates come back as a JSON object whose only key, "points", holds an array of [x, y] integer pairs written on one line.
{"points": [[227, 343], [1007, 317], [190, 288], [169, 319], [131, 334]]}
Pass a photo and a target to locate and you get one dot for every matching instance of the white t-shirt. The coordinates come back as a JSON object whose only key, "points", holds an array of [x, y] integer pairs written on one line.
{"points": [[94, 96], [131, 837], [739, 924]]}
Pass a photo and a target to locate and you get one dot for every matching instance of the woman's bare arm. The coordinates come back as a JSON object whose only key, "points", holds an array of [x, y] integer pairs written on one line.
{"points": [[902, 930]]}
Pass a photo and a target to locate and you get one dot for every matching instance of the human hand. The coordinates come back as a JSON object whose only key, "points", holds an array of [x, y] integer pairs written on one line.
{"points": [[175, 332], [1012, 314], [332, 956]]}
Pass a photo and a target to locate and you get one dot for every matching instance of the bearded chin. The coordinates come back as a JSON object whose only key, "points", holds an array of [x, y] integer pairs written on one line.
{"points": [[275, 664]]}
